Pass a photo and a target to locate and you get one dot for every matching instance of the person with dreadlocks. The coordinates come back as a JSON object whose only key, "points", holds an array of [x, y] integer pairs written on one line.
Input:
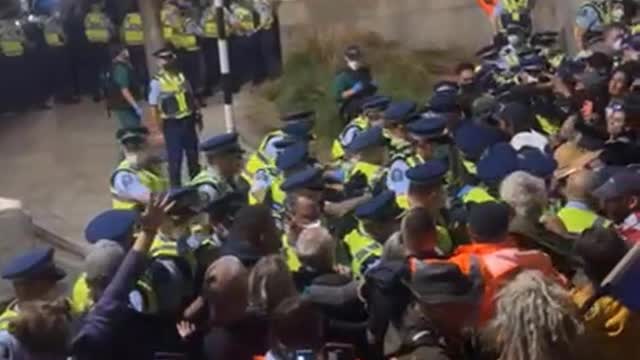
{"points": [[534, 319]]}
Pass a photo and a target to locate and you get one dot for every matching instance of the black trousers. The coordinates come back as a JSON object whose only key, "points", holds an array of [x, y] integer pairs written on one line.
{"points": [[270, 51], [97, 64], [139, 62], [212, 64], [181, 139], [191, 64], [61, 78]]}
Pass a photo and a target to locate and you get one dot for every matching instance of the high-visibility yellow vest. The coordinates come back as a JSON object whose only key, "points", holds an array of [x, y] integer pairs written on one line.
{"points": [[411, 160], [10, 313], [397, 145], [186, 40], [245, 17], [152, 181], [602, 10], [168, 14], [578, 220], [547, 126], [175, 101], [12, 40], [293, 263], [278, 198], [53, 33], [205, 177], [474, 194], [143, 298], [96, 27], [210, 24], [445, 244], [81, 295], [363, 249], [132, 31], [259, 159], [515, 7], [373, 173], [337, 150]]}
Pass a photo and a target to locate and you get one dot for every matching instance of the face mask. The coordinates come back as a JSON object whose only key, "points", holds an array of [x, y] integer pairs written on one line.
{"points": [[617, 14], [513, 39], [353, 65]]}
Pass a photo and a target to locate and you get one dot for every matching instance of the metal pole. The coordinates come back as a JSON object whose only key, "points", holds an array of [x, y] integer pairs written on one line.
{"points": [[223, 53]]}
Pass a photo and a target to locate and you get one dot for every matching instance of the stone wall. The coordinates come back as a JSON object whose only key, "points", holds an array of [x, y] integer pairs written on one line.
{"points": [[434, 24]]}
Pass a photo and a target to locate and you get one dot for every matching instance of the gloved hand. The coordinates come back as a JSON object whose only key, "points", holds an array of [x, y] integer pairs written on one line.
{"points": [[359, 86], [138, 110]]}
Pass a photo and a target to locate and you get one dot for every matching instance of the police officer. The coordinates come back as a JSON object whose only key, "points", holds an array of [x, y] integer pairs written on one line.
{"points": [[172, 22], [353, 84], [222, 174], [210, 35], [59, 57], [268, 38], [13, 44], [34, 276], [169, 281], [377, 220], [371, 115], [136, 177], [472, 140], [124, 89], [132, 35], [242, 44], [189, 53], [265, 155], [364, 170], [114, 225], [396, 116], [427, 133], [593, 16], [426, 189], [174, 108], [98, 29], [512, 11]]}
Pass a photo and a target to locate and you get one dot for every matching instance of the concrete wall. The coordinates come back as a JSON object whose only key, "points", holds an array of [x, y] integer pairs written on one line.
{"points": [[432, 24]]}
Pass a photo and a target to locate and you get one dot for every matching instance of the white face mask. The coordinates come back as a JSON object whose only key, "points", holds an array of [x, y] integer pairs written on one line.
{"points": [[353, 65], [617, 14]]}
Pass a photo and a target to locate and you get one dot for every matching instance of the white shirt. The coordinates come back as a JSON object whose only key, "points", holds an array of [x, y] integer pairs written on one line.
{"points": [[127, 185]]}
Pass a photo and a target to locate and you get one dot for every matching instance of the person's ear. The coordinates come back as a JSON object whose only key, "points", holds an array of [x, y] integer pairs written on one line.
{"points": [[632, 202]]}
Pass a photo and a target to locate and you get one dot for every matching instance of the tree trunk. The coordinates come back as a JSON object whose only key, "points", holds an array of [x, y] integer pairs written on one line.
{"points": [[150, 12]]}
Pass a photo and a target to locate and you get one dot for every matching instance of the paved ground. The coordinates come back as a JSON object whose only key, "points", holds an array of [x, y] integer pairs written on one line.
{"points": [[58, 162]]}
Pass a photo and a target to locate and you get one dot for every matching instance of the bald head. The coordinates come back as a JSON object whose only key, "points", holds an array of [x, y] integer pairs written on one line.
{"points": [[226, 286], [580, 185]]}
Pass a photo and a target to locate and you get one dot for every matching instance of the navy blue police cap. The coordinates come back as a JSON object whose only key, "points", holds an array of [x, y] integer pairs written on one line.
{"points": [[473, 139], [165, 53], [287, 141], [298, 129], [309, 178], [134, 134], [305, 115], [221, 144], [115, 225], [33, 264], [381, 207], [400, 111], [536, 162], [187, 201], [376, 102], [444, 102], [428, 126], [369, 138], [431, 172], [292, 156], [446, 86], [498, 162]]}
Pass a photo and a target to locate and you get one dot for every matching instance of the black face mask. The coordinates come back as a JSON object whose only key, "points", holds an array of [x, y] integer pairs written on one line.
{"points": [[467, 88]]}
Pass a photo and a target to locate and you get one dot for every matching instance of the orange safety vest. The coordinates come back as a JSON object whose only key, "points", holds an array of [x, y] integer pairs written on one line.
{"points": [[487, 6], [500, 262]]}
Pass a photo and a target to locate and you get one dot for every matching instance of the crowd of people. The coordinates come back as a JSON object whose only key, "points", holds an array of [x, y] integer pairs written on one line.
{"points": [[498, 221], [61, 50]]}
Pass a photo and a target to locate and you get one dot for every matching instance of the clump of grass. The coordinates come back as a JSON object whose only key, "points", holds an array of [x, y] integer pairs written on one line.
{"points": [[309, 72]]}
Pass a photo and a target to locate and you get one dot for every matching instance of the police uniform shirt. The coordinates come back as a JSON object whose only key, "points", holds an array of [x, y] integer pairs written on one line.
{"points": [[155, 90], [588, 19], [265, 12], [348, 135], [9, 346], [261, 182], [128, 186], [499, 9], [210, 193], [397, 180]]}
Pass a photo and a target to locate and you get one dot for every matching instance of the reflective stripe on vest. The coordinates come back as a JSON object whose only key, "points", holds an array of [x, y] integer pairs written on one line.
{"points": [[293, 263], [162, 249], [174, 101], [515, 6], [371, 172], [153, 182], [259, 160], [547, 126], [474, 194], [577, 220], [9, 314], [96, 27], [210, 24], [81, 295], [53, 33], [337, 149], [245, 17], [132, 30], [363, 250], [12, 41], [168, 31], [205, 177], [148, 302]]}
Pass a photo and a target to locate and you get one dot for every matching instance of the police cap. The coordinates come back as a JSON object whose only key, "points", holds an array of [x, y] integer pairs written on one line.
{"points": [[287, 141], [186, 199], [376, 102], [536, 162], [473, 139], [399, 111], [165, 53], [221, 144], [292, 156], [444, 102], [446, 86], [382, 207], [298, 129], [134, 134], [428, 126], [498, 162], [115, 225], [369, 138], [33, 264], [306, 115], [431, 172], [309, 178]]}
